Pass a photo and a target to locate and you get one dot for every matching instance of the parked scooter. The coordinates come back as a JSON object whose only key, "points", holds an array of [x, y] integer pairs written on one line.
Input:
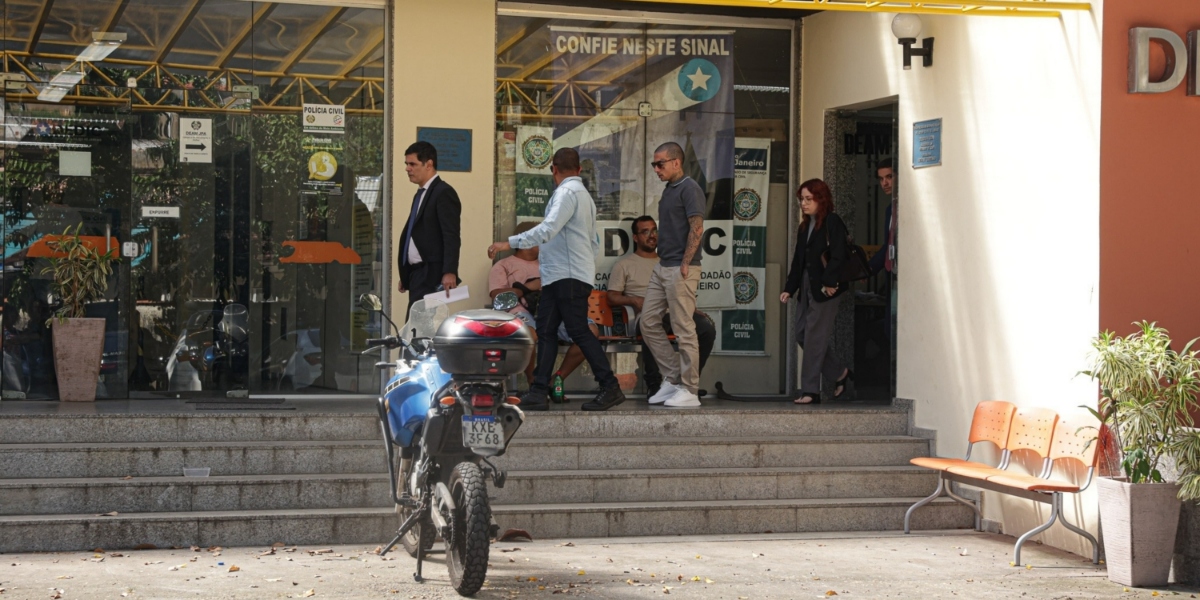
{"points": [[444, 413]]}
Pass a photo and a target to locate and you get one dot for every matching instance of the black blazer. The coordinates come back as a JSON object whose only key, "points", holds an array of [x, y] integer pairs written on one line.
{"points": [[437, 231], [830, 235]]}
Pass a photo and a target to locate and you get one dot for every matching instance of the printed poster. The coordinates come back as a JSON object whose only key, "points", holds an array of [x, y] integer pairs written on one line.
{"points": [[742, 330]]}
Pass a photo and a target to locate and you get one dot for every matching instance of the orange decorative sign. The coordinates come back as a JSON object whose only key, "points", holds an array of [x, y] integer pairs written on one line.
{"points": [[319, 253], [41, 248]]}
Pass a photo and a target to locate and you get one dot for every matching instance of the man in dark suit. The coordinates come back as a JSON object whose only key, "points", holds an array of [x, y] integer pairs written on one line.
{"points": [[429, 244]]}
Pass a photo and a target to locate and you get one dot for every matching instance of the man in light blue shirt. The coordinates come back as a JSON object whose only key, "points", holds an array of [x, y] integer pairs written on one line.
{"points": [[568, 246]]}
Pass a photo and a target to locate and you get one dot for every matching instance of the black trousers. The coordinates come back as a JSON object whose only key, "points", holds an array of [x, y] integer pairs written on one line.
{"points": [[422, 279], [566, 301], [706, 334]]}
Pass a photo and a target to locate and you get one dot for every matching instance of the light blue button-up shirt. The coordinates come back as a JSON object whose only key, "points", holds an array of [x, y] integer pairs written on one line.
{"points": [[567, 236]]}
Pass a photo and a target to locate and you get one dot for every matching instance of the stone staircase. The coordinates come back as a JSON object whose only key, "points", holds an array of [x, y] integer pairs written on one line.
{"points": [[320, 478]]}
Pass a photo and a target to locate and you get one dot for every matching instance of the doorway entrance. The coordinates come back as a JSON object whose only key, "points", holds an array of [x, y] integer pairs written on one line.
{"points": [[864, 142]]}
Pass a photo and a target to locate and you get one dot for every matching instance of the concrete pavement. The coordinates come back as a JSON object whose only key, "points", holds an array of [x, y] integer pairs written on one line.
{"points": [[954, 564]]}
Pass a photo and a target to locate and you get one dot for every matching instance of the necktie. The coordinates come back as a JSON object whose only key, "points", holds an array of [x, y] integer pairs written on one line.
{"points": [[890, 261], [412, 222]]}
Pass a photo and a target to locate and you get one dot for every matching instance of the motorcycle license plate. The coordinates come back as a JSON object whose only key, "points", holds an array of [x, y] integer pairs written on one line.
{"points": [[483, 432]]}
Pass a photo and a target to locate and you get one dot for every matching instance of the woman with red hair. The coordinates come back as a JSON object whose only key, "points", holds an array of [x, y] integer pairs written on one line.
{"points": [[813, 282]]}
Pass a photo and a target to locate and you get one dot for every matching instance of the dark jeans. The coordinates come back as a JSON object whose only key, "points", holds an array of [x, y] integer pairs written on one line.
{"points": [[706, 334], [566, 301]]}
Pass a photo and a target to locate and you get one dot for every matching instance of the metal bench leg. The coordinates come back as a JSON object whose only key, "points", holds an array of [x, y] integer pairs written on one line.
{"points": [[938, 492], [1033, 532], [971, 505], [1058, 498]]}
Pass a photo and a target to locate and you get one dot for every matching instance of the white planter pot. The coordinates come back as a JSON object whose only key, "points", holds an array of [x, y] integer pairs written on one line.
{"points": [[1139, 524]]}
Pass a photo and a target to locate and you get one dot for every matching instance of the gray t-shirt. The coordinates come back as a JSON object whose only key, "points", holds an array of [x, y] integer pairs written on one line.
{"points": [[680, 200]]}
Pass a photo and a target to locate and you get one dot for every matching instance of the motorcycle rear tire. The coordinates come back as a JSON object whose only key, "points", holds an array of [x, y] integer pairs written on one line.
{"points": [[469, 543], [424, 530]]}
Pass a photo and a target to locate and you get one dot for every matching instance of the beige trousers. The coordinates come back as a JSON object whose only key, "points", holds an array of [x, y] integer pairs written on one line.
{"points": [[670, 293]]}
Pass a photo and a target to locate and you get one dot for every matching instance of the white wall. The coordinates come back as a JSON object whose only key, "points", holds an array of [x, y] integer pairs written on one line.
{"points": [[999, 246], [444, 73]]}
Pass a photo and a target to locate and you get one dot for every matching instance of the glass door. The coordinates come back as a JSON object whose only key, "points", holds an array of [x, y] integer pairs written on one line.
{"points": [[188, 280], [66, 155]]}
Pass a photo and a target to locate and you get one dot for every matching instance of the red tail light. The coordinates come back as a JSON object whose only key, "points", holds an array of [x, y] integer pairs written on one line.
{"points": [[483, 401], [490, 328]]}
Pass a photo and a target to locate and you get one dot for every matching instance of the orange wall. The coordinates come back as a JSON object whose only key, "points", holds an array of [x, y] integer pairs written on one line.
{"points": [[1149, 183]]}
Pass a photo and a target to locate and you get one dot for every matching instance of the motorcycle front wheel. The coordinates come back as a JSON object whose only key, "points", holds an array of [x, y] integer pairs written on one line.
{"points": [[467, 548], [424, 532]]}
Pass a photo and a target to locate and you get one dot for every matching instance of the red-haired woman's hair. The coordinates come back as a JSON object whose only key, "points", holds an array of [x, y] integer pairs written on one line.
{"points": [[824, 199]]}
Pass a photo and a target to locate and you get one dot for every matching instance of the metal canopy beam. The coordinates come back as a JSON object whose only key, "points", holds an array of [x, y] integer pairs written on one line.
{"points": [[995, 8], [526, 30], [181, 24], [114, 17], [369, 49], [311, 36], [244, 34], [39, 25]]}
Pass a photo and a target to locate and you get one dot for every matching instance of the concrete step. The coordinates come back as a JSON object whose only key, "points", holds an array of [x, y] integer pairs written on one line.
{"points": [[182, 494], [187, 427], [678, 485], [614, 519], [307, 426], [58, 533], [30, 461], [704, 422], [548, 454]]}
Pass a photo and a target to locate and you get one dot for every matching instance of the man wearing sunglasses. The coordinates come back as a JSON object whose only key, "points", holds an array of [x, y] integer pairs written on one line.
{"points": [[673, 283], [568, 246], [627, 285]]}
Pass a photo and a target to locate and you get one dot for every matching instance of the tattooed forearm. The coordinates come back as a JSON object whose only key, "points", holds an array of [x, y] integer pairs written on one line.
{"points": [[695, 230]]}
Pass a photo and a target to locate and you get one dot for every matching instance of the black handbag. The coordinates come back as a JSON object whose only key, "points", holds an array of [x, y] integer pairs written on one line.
{"points": [[856, 266]]}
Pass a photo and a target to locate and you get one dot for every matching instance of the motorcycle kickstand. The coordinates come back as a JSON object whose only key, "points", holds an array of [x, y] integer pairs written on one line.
{"points": [[408, 524]]}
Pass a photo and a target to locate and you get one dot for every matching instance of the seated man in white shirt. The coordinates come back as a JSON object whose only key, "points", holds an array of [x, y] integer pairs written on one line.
{"points": [[627, 287]]}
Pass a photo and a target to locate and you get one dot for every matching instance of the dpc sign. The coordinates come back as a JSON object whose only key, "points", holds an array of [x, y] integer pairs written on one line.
{"points": [[1182, 61]]}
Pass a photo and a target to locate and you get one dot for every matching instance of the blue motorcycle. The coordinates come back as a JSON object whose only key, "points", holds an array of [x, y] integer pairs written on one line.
{"points": [[445, 412]]}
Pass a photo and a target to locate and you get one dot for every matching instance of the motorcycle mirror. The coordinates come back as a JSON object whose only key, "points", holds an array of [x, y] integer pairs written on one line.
{"points": [[370, 302], [505, 301]]}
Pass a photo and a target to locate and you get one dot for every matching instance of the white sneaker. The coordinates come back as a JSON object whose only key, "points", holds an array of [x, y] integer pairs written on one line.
{"points": [[683, 399], [667, 390]]}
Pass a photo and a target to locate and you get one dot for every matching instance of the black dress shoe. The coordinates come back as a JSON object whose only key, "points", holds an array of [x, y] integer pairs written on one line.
{"points": [[606, 399], [535, 400]]}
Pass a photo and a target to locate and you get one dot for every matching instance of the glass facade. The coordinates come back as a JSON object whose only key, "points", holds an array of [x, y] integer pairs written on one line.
{"points": [[615, 91], [234, 152]]}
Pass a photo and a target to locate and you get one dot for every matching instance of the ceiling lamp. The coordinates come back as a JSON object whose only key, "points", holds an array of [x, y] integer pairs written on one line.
{"points": [[103, 44], [52, 93]]}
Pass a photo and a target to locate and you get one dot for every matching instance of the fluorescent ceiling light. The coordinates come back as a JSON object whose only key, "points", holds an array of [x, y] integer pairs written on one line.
{"points": [[66, 79], [52, 93], [103, 44]]}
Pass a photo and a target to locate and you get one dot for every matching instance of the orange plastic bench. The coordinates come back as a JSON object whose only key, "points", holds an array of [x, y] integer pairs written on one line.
{"points": [[1039, 431]]}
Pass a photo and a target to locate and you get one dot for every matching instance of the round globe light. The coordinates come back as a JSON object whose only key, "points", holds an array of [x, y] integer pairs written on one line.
{"points": [[906, 25]]}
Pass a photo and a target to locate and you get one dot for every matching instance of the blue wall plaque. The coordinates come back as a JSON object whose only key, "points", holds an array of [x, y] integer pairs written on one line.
{"points": [[453, 147], [927, 143]]}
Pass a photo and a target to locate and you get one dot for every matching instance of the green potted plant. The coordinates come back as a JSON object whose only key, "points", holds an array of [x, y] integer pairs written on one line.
{"points": [[80, 272], [1147, 399]]}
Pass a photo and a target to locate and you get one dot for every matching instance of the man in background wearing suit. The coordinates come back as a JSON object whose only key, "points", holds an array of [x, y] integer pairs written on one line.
{"points": [[429, 244]]}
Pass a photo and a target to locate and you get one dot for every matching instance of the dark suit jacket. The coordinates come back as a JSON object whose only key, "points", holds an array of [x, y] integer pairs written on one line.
{"points": [[437, 231], [830, 235], [878, 260]]}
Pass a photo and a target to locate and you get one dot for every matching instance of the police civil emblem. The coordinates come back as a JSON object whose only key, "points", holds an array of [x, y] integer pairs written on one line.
{"points": [[745, 287], [537, 152], [746, 204]]}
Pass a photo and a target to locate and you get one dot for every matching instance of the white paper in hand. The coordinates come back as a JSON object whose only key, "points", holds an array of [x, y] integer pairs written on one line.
{"points": [[456, 295]]}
